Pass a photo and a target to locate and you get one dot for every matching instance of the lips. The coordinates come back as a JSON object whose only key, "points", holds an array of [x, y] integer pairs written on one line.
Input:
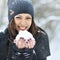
{"points": [[22, 28]]}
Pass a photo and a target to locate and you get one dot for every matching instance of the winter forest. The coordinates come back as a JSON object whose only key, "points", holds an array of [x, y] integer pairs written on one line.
{"points": [[47, 16]]}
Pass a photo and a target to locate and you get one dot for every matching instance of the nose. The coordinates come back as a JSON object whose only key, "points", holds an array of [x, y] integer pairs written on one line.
{"points": [[22, 23]]}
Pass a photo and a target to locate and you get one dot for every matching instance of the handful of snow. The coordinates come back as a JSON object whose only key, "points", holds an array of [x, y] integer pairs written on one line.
{"points": [[24, 34]]}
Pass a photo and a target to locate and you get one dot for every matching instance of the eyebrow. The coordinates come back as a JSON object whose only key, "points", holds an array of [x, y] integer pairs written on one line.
{"points": [[21, 16], [18, 16]]}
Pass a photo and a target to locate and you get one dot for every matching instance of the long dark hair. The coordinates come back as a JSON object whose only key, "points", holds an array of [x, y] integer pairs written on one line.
{"points": [[13, 32]]}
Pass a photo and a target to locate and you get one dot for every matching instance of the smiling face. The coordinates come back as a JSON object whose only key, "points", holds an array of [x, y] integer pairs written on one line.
{"points": [[23, 21]]}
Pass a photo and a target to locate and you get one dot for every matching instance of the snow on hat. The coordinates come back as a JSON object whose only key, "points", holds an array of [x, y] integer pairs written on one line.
{"points": [[19, 6]]}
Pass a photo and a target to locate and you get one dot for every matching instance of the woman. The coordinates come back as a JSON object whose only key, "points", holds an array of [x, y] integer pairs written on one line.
{"points": [[21, 17]]}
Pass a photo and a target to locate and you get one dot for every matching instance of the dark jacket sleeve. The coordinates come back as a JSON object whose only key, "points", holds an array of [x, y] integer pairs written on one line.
{"points": [[42, 45], [3, 46]]}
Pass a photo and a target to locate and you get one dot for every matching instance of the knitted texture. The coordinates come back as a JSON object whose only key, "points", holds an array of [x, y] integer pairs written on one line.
{"points": [[16, 7]]}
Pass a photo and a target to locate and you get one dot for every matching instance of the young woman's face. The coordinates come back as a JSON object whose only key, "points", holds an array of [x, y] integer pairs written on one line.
{"points": [[23, 21]]}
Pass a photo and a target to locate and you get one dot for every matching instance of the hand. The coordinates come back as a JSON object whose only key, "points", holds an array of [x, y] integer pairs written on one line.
{"points": [[31, 43], [20, 43]]}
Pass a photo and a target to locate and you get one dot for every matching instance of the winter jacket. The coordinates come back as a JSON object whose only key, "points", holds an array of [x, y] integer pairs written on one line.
{"points": [[41, 48]]}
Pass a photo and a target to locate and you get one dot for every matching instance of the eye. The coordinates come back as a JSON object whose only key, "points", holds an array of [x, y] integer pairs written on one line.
{"points": [[28, 18], [18, 18]]}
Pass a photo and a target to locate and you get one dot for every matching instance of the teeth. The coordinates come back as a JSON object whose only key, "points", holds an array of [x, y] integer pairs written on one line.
{"points": [[22, 28]]}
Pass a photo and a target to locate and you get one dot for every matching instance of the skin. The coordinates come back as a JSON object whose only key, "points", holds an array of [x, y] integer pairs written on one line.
{"points": [[23, 22]]}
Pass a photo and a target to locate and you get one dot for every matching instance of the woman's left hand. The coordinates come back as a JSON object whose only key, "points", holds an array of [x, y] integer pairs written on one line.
{"points": [[31, 43]]}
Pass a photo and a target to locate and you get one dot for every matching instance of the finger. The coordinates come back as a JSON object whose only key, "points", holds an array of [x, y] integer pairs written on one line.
{"points": [[31, 44], [14, 41], [22, 44], [32, 41], [19, 43], [26, 45], [21, 38]]}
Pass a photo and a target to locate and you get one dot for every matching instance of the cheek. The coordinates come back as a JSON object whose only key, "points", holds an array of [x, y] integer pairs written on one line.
{"points": [[16, 27], [16, 22], [29, 23]]}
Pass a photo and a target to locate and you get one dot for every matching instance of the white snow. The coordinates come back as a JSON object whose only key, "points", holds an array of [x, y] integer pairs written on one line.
{"points": [[55, 45], [55, 42], [24, 34]]}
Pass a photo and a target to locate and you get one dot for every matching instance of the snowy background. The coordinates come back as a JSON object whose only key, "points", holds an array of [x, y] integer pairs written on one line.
{"points": [[47, 16]]}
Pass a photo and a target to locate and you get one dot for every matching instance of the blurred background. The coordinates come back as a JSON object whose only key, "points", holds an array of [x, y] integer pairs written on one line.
{"points": [[47, 16]]}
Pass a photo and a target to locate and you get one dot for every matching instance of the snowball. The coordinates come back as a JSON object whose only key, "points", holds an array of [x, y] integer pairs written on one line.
{"points": [[24, 34]]}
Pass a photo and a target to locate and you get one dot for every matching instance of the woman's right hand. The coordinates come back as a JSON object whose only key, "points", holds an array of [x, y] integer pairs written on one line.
{"points": [[20, 43]]}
